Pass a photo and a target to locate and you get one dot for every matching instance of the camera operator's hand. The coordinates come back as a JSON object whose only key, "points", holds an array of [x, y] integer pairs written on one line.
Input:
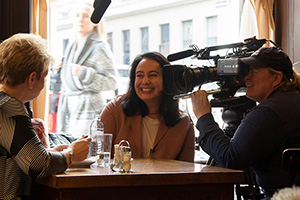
{"points": [[201, 105]]}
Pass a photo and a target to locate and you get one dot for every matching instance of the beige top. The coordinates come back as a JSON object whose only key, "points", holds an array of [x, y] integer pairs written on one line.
{"points": [[149, 131]]}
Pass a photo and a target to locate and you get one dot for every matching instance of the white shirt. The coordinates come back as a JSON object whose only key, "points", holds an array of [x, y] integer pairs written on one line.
{"points": [[149, 132]]}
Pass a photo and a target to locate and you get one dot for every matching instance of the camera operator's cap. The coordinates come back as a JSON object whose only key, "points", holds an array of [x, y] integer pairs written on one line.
{"points": [[271, 57]]}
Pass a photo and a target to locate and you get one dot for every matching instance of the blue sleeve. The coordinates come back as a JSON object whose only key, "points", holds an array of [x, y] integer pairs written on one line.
{"points": [[247, 146]]}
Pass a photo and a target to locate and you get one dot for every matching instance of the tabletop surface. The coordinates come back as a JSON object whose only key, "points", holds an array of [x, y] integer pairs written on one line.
{"points": [[144, 172]]}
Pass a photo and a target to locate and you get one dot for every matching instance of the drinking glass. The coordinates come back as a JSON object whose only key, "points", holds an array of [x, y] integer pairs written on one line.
{"points": [[104, 142]]}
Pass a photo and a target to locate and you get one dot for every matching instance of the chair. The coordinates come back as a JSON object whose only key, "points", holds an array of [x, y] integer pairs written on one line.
{"points": [[250, 190], [39, 128], [291, 165]]}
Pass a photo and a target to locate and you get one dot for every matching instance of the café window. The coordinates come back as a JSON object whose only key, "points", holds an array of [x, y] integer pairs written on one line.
{"points": [[145, 39], [110, 40], [165, 39], [154, 30], [187, 40], [212, 30], [126, 47], [187, 35]]}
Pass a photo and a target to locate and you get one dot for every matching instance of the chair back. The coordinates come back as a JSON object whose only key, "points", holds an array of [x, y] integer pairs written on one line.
{"points": [[291, 164]]}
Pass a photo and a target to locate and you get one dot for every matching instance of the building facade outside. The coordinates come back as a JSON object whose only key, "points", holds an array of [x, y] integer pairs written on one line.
{"points": [[169, 26]]}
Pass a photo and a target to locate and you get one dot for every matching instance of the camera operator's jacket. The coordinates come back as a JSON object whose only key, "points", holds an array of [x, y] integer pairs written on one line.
{"points": [[260, 139], [177, 142]]}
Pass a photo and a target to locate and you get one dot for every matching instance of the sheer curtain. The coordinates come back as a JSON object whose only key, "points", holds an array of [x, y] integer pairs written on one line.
{"points": [[40, 107]]}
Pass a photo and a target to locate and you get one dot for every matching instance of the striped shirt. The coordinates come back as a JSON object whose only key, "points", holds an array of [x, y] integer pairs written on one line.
{"points": [[22, 154]]}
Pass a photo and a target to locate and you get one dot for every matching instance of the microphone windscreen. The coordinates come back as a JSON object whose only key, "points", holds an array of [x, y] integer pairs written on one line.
{"points": [[100, 8], [180, 55]]}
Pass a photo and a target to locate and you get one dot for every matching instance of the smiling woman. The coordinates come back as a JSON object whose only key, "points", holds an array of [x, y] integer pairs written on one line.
{"points": [[148, 83], [148, 118]]}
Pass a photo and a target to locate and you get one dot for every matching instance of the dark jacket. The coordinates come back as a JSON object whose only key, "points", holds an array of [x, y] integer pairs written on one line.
{"points": [[260, 139]]}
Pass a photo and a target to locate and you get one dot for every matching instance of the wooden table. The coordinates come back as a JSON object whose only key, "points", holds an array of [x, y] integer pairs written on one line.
{"points": [[150, 179]]}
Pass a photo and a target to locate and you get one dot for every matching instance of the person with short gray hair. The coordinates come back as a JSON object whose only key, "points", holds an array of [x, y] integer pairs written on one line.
{"points": [[24, 61]]}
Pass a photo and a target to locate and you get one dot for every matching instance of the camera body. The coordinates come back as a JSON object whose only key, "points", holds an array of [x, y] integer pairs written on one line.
{"points": [[228, 67]]}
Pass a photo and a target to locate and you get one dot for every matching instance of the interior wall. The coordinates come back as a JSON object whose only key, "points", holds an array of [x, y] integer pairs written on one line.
{"points": [[14, 17], [294, 33], [281, 24], [287, 21]]}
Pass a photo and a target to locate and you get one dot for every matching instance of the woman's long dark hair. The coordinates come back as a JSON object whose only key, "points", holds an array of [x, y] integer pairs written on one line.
{"points": [[133, 105]]}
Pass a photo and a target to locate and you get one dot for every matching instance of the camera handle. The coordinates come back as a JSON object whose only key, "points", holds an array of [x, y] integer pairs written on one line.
{"points": [[188, 95]]}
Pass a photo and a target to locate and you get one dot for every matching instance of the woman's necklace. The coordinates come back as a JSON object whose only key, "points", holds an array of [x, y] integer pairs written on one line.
{"points": [[153, 115]]}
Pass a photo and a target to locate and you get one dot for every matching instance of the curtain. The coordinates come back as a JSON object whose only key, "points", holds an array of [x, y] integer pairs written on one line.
{"points": [[264, 18], [248, 26], [257, 20], [40, 107]]}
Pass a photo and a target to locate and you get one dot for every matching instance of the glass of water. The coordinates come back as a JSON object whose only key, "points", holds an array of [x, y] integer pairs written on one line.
{"points": [[104, 143]]}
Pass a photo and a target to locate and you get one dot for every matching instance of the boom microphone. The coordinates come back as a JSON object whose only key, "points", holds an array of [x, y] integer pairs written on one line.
{"points": [[180, 55], [100, 8]]}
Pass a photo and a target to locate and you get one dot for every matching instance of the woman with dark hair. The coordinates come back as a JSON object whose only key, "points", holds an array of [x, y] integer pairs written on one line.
{"points": [[148, 118]]}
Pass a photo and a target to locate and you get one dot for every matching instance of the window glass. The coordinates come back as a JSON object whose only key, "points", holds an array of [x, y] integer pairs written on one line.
{"points": [[165, 37], [110, 40], [212, 30], [126, 46], [131, 27], [187, 38], [145, 39]]}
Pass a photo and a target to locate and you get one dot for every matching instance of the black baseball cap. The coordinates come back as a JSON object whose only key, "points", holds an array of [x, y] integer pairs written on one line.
{"points": [[270, 57]]}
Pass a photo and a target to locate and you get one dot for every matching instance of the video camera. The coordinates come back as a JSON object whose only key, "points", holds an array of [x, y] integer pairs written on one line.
{"points": [[179, 80], [227, 71]]}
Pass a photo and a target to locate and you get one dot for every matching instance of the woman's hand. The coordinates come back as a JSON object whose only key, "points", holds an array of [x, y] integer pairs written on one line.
{"points": [[61, 147], [75, 69], [80, 149], [201, 105]]}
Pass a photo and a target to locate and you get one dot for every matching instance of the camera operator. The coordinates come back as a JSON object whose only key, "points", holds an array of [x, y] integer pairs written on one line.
{"points": [[267, 129]]}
